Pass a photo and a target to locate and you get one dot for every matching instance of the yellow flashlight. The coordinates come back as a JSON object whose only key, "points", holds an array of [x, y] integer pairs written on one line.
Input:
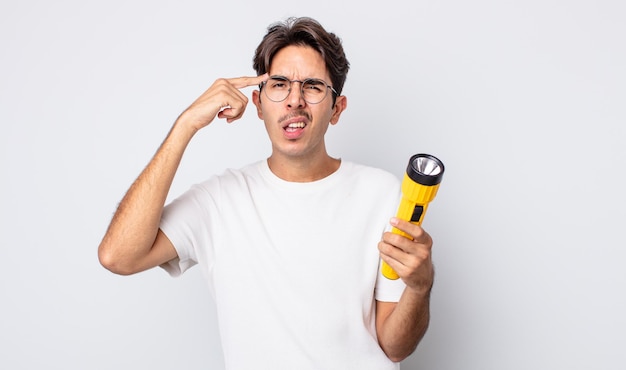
{"points": [[419, 187]]}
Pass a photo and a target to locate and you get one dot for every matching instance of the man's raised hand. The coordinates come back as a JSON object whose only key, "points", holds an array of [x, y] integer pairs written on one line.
{"points": [[222, 100]]}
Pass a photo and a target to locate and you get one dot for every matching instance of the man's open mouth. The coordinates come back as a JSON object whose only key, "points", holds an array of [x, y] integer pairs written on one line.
{"points": [[294, 126]]}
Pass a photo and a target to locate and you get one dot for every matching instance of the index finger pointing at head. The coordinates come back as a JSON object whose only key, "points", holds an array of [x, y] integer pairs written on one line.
{"points": [[241, 82]]}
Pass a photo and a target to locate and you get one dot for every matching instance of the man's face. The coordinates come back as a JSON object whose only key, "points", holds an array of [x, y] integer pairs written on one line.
{"points": [[296, 128]]}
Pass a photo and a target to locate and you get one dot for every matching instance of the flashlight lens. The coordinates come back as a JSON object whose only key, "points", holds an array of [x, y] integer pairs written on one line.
{"points": [[426, 166]]}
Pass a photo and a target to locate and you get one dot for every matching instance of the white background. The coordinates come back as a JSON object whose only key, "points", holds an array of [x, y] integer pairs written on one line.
{"points": [[524, 101]]}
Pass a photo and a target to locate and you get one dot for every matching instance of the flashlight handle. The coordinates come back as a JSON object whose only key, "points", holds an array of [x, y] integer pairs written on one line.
{"points": [[408, 211]]}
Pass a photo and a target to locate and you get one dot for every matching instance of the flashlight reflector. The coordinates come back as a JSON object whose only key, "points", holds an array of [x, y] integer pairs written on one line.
{"points": [[426, 166]]}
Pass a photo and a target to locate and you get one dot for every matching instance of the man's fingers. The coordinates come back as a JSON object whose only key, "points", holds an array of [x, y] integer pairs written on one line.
{"points": [[241, 82], [415, 231], [233, 111], [231, 114]]}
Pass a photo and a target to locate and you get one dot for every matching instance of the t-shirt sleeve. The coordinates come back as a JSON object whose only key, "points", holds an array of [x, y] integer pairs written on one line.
{"points": [[388, 290], [186, 258], [186, 223]]}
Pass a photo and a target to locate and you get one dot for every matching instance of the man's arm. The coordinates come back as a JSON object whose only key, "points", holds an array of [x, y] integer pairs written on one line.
{"points": [[133, 241], [400, 326]]}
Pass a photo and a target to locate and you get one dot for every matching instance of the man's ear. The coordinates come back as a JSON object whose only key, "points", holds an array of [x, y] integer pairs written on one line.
{"points": [[256, 99], [341, 103]]}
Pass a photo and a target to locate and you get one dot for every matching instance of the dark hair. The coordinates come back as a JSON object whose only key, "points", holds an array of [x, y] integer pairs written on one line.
{"points": [[303, 31]]}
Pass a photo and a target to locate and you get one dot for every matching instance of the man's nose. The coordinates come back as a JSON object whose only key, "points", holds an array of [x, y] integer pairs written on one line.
{"points": [[295, 97]]}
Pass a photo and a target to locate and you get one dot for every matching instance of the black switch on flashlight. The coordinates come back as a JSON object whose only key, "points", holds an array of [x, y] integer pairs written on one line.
{"points": [[419, 187]]}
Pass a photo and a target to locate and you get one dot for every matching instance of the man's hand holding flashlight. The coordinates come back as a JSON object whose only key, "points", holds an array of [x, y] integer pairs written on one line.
{"points": [[411, 259]]}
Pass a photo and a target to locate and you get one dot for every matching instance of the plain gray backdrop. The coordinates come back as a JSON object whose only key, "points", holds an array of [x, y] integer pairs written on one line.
{"points": [[524, 101]]}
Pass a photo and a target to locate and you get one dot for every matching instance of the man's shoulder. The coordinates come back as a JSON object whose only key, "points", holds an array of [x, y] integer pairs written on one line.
{"points": [[370, 173], [237, 173], [229, 178]]}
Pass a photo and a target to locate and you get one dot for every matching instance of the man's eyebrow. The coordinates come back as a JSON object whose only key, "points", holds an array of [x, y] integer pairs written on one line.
{"points": [[287, 78]]}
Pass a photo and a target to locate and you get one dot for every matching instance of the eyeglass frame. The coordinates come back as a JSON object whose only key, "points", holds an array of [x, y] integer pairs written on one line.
{"points": [[302, 82]]}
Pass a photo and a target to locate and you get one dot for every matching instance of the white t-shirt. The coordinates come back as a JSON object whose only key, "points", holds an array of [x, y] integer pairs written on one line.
{"points": [[293, 267]]}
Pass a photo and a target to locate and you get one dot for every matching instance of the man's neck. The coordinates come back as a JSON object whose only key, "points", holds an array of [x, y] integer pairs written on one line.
{"points": [[303, 169]]}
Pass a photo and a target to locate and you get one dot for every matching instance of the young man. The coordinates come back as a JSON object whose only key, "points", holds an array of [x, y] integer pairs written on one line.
{"points": [[288, 244]]}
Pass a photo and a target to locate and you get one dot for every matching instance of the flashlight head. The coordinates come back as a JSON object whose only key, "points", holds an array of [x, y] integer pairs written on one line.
{"points": [[425, 169]]}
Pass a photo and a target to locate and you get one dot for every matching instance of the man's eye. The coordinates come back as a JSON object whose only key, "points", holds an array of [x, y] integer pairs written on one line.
{"points": [[278, 85], [314, 86]]}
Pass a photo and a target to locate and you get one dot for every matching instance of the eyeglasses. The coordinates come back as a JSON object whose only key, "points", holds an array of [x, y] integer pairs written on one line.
{"points": [[313, 90]]}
